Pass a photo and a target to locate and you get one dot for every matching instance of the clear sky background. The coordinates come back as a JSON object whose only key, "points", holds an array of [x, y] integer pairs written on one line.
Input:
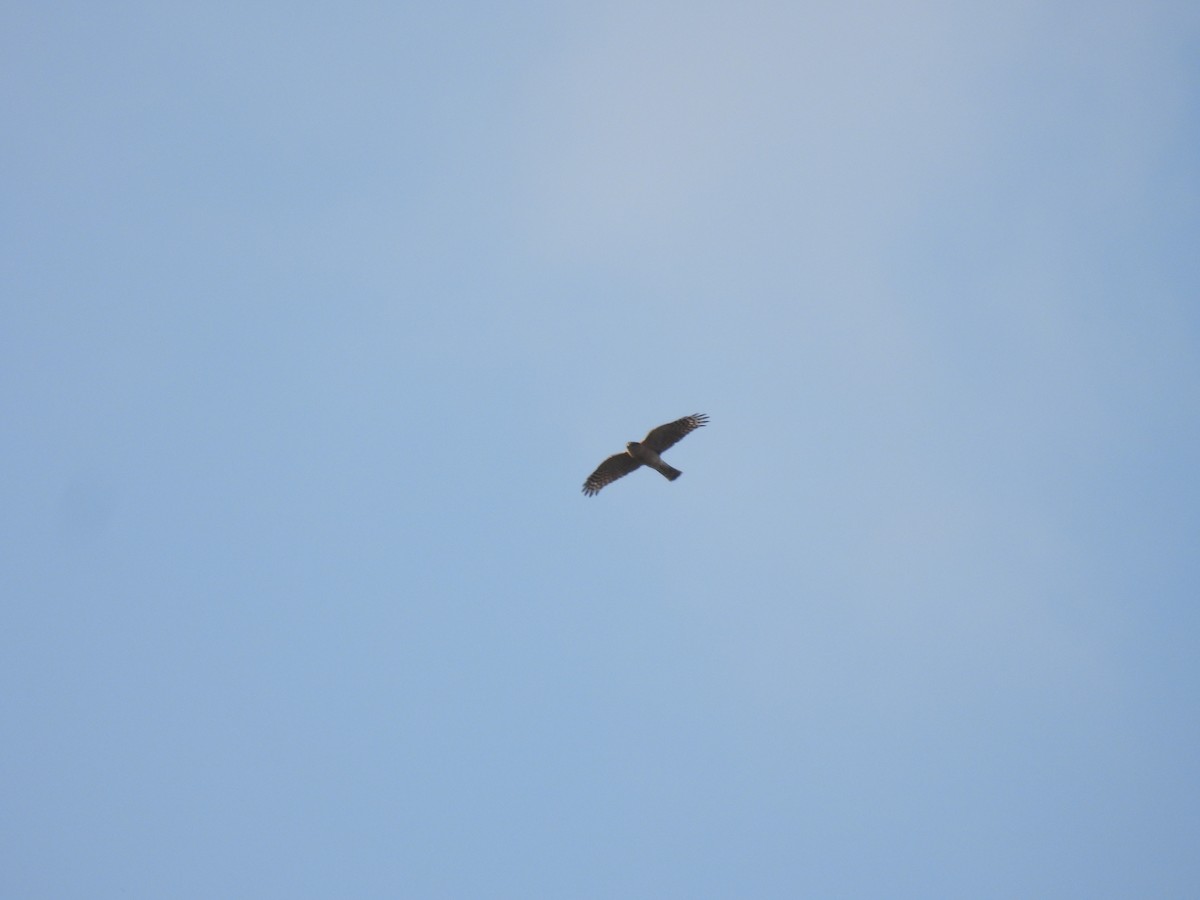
{"points": [[314, 318]]}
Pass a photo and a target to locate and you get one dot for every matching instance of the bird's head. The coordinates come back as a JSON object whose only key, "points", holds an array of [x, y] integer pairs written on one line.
{"points": [[632, 445]]}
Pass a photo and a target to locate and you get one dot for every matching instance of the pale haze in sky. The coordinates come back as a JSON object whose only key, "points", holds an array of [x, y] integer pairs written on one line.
{"points": [[314, 318]]}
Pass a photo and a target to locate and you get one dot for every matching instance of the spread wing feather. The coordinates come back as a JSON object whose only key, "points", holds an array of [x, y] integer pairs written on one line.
{"points": [[616, 466], [665, 436]]}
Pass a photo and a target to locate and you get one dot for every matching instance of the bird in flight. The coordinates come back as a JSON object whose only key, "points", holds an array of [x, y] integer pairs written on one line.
{"points": [[645, 453]]}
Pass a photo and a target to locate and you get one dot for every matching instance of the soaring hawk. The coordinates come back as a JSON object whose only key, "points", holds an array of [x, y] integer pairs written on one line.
{"points": [[646, 453]]}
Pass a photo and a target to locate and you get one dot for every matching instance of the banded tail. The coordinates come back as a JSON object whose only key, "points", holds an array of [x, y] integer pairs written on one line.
{"points": [[669, 472]]}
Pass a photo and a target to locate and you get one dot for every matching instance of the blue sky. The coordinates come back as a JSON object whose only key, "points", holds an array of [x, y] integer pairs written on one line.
{"points": [[315, 317]]}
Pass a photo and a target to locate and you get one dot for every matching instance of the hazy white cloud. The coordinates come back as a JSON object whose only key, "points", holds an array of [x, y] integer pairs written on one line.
{"points": [[838, 123], [645, 115]]}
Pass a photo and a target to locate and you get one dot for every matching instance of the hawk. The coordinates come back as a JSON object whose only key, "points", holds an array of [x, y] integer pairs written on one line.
{"points": [[646, 453]]}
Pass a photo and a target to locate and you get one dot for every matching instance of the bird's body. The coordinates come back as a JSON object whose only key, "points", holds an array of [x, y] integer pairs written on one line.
{"points": [[646, 452], [648, 457]]}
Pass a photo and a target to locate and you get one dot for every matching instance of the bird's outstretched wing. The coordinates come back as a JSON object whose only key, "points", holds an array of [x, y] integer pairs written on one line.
{"points": [[616, 466], [664, 436]]}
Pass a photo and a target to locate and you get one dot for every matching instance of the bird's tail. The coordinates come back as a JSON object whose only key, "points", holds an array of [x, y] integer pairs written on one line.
{"points": [[670, 472]]}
